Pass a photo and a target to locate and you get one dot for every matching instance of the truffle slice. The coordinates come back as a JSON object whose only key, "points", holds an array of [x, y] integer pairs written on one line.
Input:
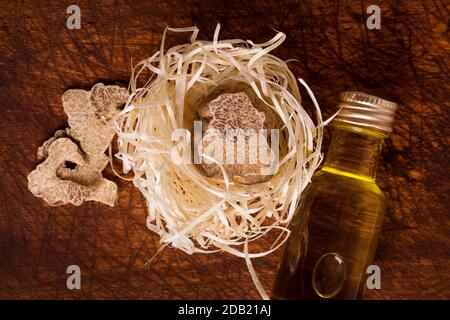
{"points": [[91, 113], [73, 159], [42, 151], [232, 119], [67, 176], [232, 111]]}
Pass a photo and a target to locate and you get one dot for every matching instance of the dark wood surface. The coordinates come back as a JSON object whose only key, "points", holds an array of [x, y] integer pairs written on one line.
{"points": [[407, 60]]}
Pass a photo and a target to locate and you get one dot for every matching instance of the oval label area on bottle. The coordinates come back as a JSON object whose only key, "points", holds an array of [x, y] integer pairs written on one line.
{"points": [[329, 275]]}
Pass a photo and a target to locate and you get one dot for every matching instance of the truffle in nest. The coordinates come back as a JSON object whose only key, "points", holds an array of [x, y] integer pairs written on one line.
{"points": [[232, 120]]}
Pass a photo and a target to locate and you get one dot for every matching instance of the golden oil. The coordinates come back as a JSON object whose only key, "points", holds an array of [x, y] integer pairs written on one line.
{"points": [[335, 230]]}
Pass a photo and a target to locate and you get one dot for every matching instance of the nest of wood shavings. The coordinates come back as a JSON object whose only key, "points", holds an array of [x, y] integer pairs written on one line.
{"points": [[189, 210]]}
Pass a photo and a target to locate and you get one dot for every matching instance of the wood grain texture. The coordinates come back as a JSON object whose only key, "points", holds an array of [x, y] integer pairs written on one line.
{"points": [[406, 61]]}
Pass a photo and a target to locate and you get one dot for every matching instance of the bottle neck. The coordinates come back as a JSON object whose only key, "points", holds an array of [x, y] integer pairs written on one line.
{"points": [[354, 152]]}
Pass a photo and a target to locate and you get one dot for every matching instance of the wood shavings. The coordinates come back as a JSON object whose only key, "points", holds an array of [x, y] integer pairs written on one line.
{"points": [[67, 176], [189, 210], [74, 158], [90, 115]]}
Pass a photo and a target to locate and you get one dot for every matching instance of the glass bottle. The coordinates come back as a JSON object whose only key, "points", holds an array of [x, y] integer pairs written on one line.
{"points": [[335, 230]]}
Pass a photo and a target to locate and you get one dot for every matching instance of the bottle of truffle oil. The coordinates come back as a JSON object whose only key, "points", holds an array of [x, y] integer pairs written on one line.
{"points": [[335, 230]]}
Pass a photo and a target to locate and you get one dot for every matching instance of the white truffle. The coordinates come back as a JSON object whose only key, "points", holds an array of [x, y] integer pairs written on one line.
{"points": [[67, 176], [234, 112]]}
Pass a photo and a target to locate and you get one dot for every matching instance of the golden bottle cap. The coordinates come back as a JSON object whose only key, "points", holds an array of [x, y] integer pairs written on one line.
{"points": [[362, 109]]}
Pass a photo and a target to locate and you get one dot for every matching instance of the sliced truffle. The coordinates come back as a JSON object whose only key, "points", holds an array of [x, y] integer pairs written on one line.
{"points": [[98, 161], [42, 151], [91, 113], [232, 119], [69, 176]]}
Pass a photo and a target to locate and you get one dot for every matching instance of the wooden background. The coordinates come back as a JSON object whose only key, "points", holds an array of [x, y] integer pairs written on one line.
{"points": [[406, 61]]}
